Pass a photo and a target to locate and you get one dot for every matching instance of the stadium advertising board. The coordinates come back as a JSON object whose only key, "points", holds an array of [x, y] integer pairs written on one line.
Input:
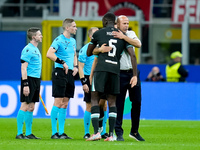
{"points": [[10, 100], [167, 104], [183, 7], [118, 7]]}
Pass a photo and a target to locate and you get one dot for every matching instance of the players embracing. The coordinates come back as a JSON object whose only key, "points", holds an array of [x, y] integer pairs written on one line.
{"points": [[106, 74]]}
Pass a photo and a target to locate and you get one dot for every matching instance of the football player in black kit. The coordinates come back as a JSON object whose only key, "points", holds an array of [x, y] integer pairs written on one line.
{"points": [[106, 73]]}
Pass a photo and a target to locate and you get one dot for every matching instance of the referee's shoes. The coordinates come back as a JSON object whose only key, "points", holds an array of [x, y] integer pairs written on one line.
{"points": [[31, 136], [64, 136], [55, 136], [20, 136], [86, 136], [136, 136]]}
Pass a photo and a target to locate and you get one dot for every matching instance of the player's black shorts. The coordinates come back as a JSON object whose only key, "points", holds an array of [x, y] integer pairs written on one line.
{"points": [[62, 84], [87, 96], [103, 96], [106, 82], [34, 87]]}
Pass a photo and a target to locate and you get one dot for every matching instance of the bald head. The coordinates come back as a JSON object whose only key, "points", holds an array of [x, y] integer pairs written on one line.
{"points": [[155, 70], [123, 23], [121, 18]]}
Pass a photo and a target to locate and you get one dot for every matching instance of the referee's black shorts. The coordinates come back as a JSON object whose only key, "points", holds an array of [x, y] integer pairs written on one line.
{"points": [[87, 96], [62, 84], [34, 87], [106, 82]]}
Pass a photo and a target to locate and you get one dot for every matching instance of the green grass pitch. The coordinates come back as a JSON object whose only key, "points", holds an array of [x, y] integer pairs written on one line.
{"points": [[159, 135]]}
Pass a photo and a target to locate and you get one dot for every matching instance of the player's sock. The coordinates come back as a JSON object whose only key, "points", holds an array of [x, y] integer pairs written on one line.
{"points": [[104, 122], [101, 117], [87, 118], [20, 121], [54, 117], [28, 122], [61, 119], [95, 113], [112, 119]]}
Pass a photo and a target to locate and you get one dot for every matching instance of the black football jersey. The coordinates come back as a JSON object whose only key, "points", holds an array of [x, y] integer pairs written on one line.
{"points": [[110, 61]]}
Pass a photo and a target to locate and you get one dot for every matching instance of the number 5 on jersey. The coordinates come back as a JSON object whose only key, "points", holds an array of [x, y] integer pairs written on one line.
{"points": [[112, 54]]}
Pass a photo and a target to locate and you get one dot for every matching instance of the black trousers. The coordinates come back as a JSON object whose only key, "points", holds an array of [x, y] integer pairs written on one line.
{"points": [[135, 98]]}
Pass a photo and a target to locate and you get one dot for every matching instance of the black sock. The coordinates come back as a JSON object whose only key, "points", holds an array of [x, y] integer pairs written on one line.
{"points": [[101, 117], [95, 113], [112, 119]]}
